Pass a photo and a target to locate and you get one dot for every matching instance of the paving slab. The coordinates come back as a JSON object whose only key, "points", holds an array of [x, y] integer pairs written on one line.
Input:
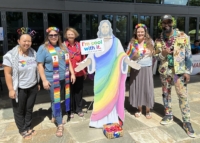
{"points": [[125, 139], [132, 124], [152, 135], [11, 129], [153, 122], [15, 138], [83, 133], [175, 131], [48, 136]]}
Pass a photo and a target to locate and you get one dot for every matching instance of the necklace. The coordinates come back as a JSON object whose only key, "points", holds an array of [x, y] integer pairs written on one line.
{"points": [[140, 52], [173, 41], [135, 48]]}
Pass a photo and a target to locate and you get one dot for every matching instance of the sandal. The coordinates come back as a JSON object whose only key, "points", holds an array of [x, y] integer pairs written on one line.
{"points": [[80, 114], [26, 135], [148, 115], [32, 132], [137, 114], [72, 115], [59, 132]]}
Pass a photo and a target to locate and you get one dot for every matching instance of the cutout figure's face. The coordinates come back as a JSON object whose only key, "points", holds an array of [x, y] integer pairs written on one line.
{"points": [[105, 29], [140, 33]]}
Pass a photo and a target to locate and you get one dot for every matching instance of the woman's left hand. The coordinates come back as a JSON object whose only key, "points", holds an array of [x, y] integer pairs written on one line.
{"points": [[73, 78]]}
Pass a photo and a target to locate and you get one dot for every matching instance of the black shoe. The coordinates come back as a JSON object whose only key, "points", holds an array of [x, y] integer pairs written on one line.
{"points": [[189, 130], [166, 119]]}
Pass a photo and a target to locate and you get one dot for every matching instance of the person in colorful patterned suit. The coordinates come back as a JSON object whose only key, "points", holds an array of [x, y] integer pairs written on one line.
{"points": [[174, 51]]}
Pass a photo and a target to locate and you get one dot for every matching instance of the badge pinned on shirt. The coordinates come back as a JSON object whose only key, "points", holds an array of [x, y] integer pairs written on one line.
{"points": [[55, 58], [66, 56]]}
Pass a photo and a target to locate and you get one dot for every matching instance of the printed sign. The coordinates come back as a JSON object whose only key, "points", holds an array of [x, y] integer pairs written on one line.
{"points": [[1, 33], [92, 46], [195, 64]]}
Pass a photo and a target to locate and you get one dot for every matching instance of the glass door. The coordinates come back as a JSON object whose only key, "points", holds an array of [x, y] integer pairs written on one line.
{"points": [[91, 26], [35, 22], [75, 21], [14, 21], [122, 29], [55, 20], [1, 45]]}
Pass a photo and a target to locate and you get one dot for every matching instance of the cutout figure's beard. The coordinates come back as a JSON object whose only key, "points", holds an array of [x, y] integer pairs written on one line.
{"points": [[104, 35], [167, 29]]}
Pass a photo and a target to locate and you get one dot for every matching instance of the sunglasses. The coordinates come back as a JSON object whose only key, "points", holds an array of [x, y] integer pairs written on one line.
{"points": [[53, 35], [167, 22]]}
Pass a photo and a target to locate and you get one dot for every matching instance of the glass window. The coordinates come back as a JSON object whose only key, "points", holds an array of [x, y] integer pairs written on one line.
{"points": [[134, 21], [121, 29], [1, 45], [117, 0], [149, 1], [199, 30], [55, 20], [180, 23], [35, 22], [91, 26], [192, 28], [194, 2], [108, 17], [176, 2], [156, 30], [145, 20], [75, 21], [14, 21]]}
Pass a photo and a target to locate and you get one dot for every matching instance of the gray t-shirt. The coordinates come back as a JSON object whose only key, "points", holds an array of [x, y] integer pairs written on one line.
{"points": [[27, 70]]}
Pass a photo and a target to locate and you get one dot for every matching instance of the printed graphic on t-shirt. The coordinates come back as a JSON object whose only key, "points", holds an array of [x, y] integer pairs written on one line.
{"points": [[22, 63], [29, 62]]}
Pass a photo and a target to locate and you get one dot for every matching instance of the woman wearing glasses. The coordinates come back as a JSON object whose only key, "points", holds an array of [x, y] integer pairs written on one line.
{"points": [[54, 66], [75, 57]]}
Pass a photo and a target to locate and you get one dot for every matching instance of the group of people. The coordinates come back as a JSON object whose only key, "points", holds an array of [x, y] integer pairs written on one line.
{"points": [[54, 63], [61, 67]]}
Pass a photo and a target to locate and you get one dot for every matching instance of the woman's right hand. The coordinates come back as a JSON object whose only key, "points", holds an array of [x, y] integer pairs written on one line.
{"points": [[46, 84], [12, 94]]}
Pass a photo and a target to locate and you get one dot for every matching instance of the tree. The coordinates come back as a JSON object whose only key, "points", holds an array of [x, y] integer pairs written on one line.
{"points": [[194, 2]]}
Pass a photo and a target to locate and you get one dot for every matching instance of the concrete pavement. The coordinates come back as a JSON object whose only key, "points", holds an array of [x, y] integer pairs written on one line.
{"points": [[136, 130]]}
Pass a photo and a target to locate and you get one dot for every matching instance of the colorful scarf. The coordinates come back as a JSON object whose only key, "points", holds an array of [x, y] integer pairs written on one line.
{"points": [[56, 81]]}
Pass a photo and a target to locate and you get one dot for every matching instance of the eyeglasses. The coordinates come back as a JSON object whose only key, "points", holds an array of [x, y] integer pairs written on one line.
{"points": [[53, 35]]}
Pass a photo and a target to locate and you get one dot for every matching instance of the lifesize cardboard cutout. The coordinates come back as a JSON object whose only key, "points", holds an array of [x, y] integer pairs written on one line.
{"points": [[110, 67]]}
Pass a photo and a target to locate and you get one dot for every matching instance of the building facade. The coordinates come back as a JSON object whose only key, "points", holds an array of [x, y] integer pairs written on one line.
{"points": [[85, 15]]}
